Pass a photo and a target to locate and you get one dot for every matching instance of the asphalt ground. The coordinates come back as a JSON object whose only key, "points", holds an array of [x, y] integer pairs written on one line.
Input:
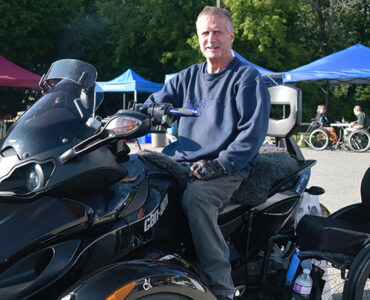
{"points": [[339, 172]]}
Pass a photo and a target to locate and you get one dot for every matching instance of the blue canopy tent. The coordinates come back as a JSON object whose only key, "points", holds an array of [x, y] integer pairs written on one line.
{"points": [[349, 66], [130, 82], [263, 71], [268, 76]]}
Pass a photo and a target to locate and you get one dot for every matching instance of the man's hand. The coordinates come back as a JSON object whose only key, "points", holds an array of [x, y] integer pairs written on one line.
{"points": [[206, 169]]}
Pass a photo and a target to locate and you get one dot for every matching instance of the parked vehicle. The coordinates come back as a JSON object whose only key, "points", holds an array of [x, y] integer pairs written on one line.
{"points": [[80, 218], [339, 248]]}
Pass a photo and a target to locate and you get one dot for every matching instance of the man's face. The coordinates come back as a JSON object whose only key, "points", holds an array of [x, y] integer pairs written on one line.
{"points": [[214, 39]]}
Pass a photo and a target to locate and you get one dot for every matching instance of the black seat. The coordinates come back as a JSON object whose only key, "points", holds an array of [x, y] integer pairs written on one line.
{"points": [[347, 231], [286, 180]]}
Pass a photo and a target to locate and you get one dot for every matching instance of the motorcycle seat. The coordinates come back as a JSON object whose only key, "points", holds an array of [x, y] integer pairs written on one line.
{"points": [[235, 213]]}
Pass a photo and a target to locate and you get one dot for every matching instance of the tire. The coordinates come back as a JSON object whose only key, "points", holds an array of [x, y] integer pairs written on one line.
{"points": [[359, 140], [319, 139], [164, 296], [358, 283]]}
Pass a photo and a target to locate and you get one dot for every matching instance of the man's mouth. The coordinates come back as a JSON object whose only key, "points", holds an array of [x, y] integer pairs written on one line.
{"points": [[211, 47]]}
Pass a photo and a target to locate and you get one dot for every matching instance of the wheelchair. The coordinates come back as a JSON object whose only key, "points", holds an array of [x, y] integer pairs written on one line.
{"points": [[339, 249], [359, 140], [321, 138]]}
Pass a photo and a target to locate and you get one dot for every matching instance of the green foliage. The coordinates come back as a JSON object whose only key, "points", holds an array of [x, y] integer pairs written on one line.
{"points": [[266, 32], [29, 30], [156, 37], [151, 36]]}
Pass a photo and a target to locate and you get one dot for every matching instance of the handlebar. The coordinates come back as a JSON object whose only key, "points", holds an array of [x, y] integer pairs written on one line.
{"points": [[184, 112], [162, 115]]}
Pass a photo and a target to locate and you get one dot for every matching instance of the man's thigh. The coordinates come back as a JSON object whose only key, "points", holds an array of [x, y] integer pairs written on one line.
{"points": [[217, 191]]}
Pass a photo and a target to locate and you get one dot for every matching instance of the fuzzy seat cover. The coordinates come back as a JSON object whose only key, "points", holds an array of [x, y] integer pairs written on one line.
{"points": [[273, 166]]}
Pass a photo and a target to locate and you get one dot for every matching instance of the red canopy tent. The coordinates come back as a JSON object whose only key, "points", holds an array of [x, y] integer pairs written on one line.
{"points": [[12, 75]]}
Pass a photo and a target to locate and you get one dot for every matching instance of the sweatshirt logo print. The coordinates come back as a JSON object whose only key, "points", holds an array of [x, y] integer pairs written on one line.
{"points": [[201, 104]]}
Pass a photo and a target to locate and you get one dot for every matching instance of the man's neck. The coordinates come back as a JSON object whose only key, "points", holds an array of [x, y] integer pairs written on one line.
{"points": [[214, 67]]}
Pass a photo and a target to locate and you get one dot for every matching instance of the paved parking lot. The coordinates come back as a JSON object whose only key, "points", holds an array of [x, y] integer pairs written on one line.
{"points": [[339, 173]]}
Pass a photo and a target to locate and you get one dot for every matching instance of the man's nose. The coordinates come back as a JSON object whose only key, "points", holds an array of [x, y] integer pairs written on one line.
{"points": [[211, 36]]}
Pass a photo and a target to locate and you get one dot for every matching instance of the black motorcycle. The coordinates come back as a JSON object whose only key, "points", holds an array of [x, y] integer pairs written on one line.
{"points": [[81, 218]]}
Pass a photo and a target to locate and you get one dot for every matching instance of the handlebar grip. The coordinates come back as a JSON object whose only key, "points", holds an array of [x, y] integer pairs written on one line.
{"points": [[184, 112]]}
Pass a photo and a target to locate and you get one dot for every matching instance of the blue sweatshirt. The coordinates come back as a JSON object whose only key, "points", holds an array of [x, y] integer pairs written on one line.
{"points": [[234, 110]]}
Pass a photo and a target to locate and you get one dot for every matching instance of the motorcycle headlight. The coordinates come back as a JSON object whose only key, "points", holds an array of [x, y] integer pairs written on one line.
{"points": [[35, 178], [27, 179]]}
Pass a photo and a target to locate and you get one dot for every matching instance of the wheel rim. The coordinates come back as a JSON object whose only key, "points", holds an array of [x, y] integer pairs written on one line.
{"points": [[319, 139], [359, 141], [363, 285], [358, 285]]}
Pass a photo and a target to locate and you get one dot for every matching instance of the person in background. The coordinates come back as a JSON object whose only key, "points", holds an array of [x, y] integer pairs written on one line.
{"points": [[362, 122], [324, 120], [220, 145]]}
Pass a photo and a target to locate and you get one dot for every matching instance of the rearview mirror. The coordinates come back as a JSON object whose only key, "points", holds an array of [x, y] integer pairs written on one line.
{"points": [[125, 124]]}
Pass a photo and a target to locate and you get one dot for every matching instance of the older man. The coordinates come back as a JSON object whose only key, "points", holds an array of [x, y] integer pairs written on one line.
{"points": [[362, 122], [222, 143]]}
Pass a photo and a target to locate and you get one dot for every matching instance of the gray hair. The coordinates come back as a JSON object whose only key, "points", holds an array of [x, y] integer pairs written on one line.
{"points": [[216, 11]]}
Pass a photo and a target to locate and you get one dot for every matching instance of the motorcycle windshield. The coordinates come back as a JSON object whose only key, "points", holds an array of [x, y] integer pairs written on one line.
{"points": [[54, 120], [75, 70]]}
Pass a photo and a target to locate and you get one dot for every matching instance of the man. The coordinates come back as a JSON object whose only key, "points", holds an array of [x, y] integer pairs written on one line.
{"points": [[324, 120], [362, 122], [222, 143]]}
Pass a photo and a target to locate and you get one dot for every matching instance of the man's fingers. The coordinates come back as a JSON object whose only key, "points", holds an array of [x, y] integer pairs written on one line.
{"points": [[197, 175]]}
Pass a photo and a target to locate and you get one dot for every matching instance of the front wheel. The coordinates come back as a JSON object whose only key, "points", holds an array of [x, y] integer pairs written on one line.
{"points": [[359, 140], [319, 139], [164, 296]]}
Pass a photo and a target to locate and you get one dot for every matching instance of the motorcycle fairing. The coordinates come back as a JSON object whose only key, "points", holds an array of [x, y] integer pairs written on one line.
{"points": [[125, 196], [48, 216], [31, 273]]}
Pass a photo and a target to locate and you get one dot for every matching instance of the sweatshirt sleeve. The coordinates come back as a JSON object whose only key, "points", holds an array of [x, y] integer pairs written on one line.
{"points": [[253, 106], [168, 94]]}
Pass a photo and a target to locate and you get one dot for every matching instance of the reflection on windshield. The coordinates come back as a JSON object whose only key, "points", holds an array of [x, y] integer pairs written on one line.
{"points": [[52, 110], [54, 120]]}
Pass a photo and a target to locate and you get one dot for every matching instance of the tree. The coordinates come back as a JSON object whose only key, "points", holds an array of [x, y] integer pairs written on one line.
{"points": [[29, 30], [149, 35], [266, 32]]}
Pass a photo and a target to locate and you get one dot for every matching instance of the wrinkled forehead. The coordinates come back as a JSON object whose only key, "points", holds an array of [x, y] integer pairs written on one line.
{"points": [[206, 22]]}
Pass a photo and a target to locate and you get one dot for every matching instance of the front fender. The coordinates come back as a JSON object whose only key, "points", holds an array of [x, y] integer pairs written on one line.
{"points": [[146, 276]]}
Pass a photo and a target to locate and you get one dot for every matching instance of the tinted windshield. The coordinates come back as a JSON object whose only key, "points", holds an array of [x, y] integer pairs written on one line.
{"points": [[73, 69], [54, 120]]}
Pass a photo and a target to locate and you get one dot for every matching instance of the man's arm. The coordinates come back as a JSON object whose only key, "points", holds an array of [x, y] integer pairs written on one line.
{"points": [[253, 105], [168, 94], [360, 122]]}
